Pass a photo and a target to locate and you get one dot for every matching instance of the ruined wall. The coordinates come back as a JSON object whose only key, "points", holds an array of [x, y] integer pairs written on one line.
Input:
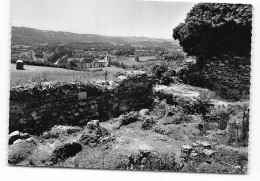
{"points": [[36, 108], [229, 76]]}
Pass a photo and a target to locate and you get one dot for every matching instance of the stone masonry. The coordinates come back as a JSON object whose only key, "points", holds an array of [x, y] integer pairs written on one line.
{"points": [[230, 76], [37, 108]]}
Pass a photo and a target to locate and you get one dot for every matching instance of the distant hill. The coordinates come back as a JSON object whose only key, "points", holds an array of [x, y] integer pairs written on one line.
{"points": [[31, 36]]}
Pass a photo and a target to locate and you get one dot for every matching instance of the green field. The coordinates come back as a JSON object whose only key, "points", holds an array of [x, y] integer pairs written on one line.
{"points": [[143, 60], [48, 74]]}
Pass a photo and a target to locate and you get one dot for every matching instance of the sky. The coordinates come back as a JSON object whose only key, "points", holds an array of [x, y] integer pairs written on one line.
{"points": [[105, 17]]}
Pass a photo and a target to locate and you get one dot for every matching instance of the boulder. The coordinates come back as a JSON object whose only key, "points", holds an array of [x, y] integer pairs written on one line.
{"points": [[17, 141], [129, 118], [91, 136], [17, 135], [144, 112], [65, 151], [208, 152], [147, 123], [20, 150], [205, 144], [186, 147], [93, 124]]}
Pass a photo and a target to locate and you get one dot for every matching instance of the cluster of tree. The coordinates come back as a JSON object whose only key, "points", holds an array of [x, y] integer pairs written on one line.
{"points": [[164, 74], [39, 54], [214, 29], [119, 64], [58, 53], [124, 52], [175, 56]]}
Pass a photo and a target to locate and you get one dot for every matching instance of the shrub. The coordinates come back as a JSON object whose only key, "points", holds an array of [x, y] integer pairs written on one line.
{"points": [[159, 70], [220, 115], [150, 161], [148, 123], [164, 74]]}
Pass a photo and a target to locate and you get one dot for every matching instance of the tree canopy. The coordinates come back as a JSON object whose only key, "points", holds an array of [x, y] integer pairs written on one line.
{"points": [[214, 29]]}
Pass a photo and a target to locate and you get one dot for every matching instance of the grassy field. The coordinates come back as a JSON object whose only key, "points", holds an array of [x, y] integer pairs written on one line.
{"points": [[47, 74], [143, 60]]}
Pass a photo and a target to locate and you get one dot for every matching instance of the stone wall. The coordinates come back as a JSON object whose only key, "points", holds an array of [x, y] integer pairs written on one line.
{"points": [[37, 108], [229, 76]]}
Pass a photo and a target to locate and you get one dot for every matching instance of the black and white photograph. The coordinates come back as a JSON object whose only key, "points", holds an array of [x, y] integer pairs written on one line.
{"points": [[130, 85]]}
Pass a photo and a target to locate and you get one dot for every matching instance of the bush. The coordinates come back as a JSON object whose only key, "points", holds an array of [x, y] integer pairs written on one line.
{"points": [[180, 118], [150, 161], [159, 70], [148, 123], [190, 106], [220, 115], [164, 74]]}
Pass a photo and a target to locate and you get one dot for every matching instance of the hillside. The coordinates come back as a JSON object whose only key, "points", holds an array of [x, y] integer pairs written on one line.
{"points": [[30, 36]]}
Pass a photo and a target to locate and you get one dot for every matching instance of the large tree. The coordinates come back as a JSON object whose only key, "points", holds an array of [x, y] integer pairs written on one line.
{"points": [[214, 29]]}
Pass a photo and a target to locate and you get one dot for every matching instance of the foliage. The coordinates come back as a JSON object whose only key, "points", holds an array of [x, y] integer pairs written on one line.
{"points": [[164, 74], [213, 29], [175, 56], [150, 161], [72, 64], [39, 55], [180, 118], [159, 70], [124, 52], [191, 106], [119, 64], [220, 115], [147, 123]]}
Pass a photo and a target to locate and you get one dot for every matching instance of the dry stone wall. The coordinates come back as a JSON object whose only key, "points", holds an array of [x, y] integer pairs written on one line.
{"points": [[37, 108], [229, 76]]}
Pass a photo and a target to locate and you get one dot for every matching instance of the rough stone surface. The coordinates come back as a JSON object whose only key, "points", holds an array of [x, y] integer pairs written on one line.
{"points": [[37, 108], [229, 76], [64, 151], [16, 135]]}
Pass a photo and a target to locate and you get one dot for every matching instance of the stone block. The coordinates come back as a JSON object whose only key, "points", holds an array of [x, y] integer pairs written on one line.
{"points": [[82, 95]]}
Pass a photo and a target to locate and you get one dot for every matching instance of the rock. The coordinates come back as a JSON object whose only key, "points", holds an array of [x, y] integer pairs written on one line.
{"points": [[17, 135], [14, 133], [34, 113], [65, 151], [219, 132], [195, 144], [82, 95], [237, 167], [93, 124], [144, 112], [208, 152], [19, 151], [17, 141], [92, 136], [147, 123], [194, 154], [205, 144], [186, 147], [128, 118], [145, 148]]}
